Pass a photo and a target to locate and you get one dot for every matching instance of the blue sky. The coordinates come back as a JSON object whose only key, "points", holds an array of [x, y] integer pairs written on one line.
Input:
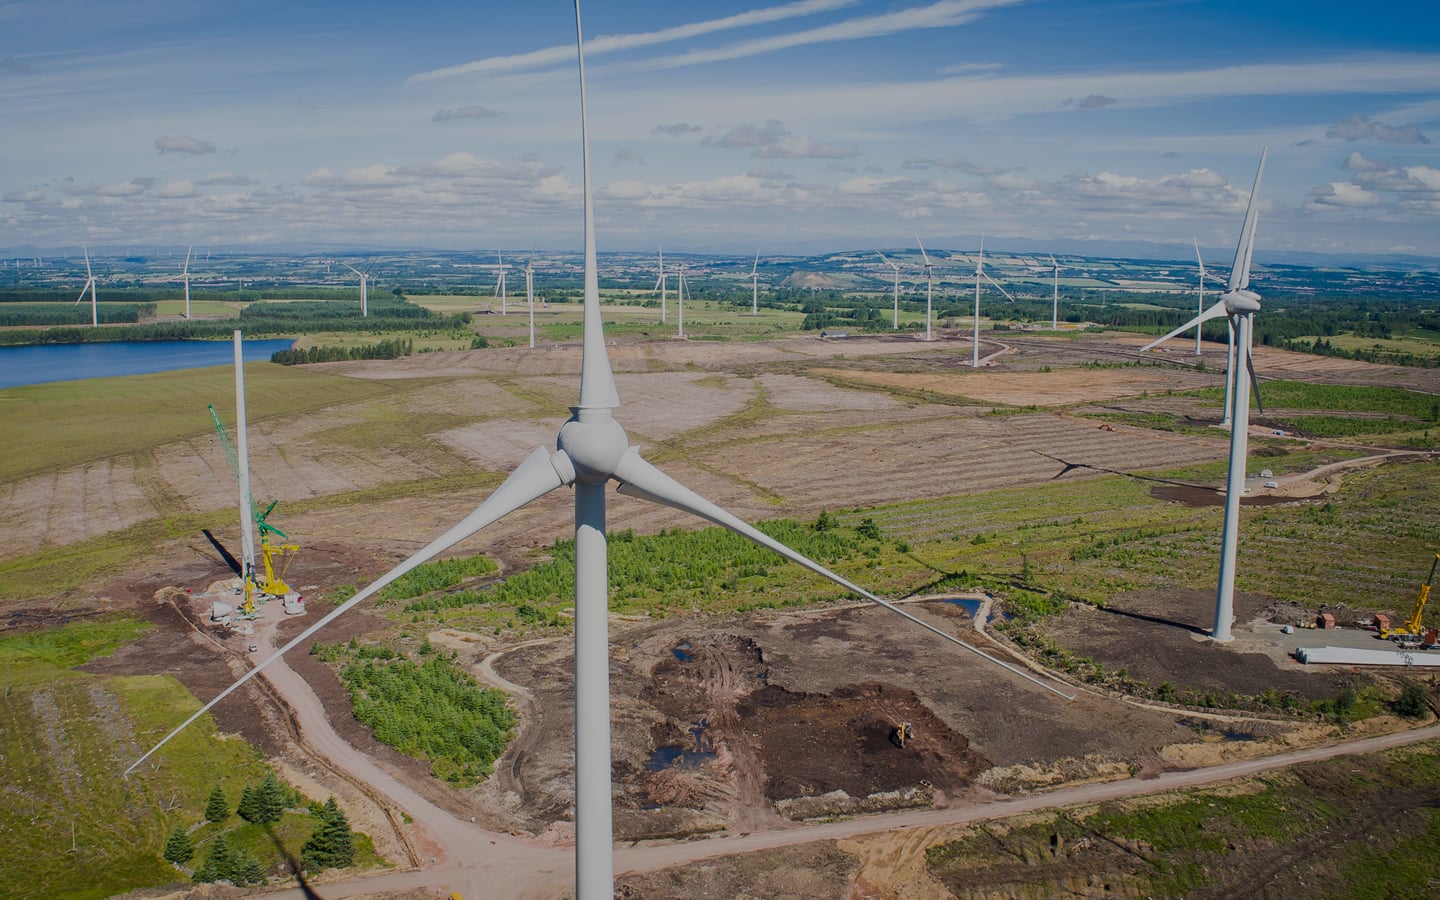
{"points": [[802, 126]]}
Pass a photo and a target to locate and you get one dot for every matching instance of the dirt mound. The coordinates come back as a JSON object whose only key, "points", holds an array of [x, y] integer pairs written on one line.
{"points": [[846, 741]]}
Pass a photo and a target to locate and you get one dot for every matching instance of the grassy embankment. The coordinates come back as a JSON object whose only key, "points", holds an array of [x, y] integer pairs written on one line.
{"points": [[1357, 827], [72, 826]]}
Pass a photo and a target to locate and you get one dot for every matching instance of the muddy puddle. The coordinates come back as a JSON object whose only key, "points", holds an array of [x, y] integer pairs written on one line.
{"points": [[1202, 496]]}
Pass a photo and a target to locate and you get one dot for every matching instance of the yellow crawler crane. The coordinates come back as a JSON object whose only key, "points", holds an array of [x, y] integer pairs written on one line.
{"points": [[1414, 624], [275, 558]]}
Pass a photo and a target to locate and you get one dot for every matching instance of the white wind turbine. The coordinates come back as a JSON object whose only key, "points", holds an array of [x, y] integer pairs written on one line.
{"points": [[979, 274], [1239, 304], [90, 286], [530, 294], [929, 285], [755, 286], [660, 285], [185, 274], [364, 288], [592, 449], [680, 298], [500, 282], [895, 322], [1055, 302], [1230, 346]]}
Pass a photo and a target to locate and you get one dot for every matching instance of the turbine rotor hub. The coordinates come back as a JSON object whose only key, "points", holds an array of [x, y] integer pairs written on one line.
{"points": [[1241, 302], [594, 442]]}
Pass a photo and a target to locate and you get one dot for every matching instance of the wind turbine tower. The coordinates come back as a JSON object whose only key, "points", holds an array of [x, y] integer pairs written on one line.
{"points": [[185, 274], [895, 321], [364, 288], [929, 285], [680, 300], [1055, 303], [980, 273], [530, 294], [592, 448], [90, 286], [660, 285], [500, 282], [755, 286], [1239, 304]]}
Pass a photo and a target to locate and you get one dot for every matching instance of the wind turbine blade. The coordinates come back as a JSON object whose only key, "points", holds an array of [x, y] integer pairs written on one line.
{"points": [[597, 382], [353, 269], [88, 274], [540, 473], [922, 250], [1198, 258], [882, 256], [82, 292], [1053, 263], [186, 270], [755, 268], [1254, 381], [640, 479], [998, 287], [1213, 312], [1240, 270]]}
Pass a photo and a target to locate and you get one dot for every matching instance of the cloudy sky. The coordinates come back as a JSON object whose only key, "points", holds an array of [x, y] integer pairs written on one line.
{"points": [[796, 126]]}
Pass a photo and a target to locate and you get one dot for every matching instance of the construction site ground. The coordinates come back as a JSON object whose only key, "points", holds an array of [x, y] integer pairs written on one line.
{"points": [[736, 724]]}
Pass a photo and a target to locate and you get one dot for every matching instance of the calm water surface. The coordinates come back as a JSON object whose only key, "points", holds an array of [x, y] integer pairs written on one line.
{"points": [[41, 364]]}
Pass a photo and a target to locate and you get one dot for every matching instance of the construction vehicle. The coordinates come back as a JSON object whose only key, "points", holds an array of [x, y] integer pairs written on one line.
{"points": [[275, 557], [902, 734], [1413, 628]]}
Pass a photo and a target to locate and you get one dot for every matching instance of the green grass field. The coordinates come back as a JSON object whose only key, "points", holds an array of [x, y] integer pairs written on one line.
{"points": [[72, 422], [66, 737]]}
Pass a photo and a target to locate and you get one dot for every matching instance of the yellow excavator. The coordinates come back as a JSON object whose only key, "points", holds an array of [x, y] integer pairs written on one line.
{"points": [[1414, 626]]}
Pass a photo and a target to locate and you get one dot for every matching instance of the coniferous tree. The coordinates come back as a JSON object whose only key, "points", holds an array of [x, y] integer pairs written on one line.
{"points": [[216, 866], [269, 800], [216, 809], [249, 808], [332, 844], [178, 847]]}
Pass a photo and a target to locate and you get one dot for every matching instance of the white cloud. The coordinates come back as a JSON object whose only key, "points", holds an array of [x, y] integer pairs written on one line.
{"points": [[943, 14], [628, 155], [772, 141], [676, 129], [612, 43], [1359, 128], [30, 196], [1340, 194], [464, 112], [1090, 101], [184, 144], [175, 190], [228, 178]]}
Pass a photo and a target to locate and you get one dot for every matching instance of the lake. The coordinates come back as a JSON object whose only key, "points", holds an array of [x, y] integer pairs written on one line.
{"points": [[44, 363]]}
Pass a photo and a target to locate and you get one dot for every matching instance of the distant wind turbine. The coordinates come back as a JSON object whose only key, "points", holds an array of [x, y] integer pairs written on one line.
{"points": [[1239, 304], [755, 286], [90, 286], [895, 323], [500, 282], [530, 294], [660, 285], [680, 301], [364, 288], [1055, 304], [980, 273], [185, 274], [929, 284]]}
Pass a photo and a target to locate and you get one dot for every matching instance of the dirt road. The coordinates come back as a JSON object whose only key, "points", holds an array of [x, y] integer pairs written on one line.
{"points": [[475, 862]]}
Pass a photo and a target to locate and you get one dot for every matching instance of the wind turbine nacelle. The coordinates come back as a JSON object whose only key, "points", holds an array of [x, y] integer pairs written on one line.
{"points": [[1240, 302], [594, 443]]}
